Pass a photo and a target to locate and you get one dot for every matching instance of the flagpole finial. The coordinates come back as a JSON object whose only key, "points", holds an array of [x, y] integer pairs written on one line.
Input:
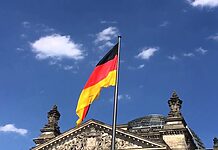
{"points": [[119, 36]]}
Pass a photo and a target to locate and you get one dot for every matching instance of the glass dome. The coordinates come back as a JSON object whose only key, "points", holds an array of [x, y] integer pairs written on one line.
{"points": [[152, 120]]}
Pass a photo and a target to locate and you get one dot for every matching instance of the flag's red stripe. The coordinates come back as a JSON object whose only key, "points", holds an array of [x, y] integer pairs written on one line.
{"points": [[85, 111], [101, 72]]}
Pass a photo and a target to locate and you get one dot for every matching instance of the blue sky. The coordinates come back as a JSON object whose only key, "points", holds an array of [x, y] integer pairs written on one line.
{"points": [[49, 48]]}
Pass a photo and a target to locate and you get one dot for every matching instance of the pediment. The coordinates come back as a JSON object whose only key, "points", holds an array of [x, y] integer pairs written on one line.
{"points": [[95, 135]]}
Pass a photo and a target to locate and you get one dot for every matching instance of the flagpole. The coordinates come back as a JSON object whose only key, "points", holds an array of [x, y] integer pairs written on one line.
{"points": [[115, 99]]}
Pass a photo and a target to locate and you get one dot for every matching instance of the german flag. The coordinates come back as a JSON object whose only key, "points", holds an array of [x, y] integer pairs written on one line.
{"points": [[104, 75]]}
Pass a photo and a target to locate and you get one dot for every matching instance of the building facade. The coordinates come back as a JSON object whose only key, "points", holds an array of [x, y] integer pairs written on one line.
{"points": [[151, 132]]}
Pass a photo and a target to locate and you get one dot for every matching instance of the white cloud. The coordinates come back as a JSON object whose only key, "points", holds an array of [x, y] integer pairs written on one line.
{"points": [[204, 3], [120, 97], [53, 62], [173, 57], [71, 67], [164, 24], [107, 34], [201, 50], [12, 128], [23, 36], [108, 22], [188, 54], [136, 67], [26, 24], [44, 28], [214, 37], [104, 37], [141, 66], [68, 67], [57, 47], [20, 49], [106, 44], [184, 10], [124, 97], [146, 53]]}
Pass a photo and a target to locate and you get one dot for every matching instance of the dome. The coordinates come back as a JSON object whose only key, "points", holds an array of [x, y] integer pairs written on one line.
{"points": [[152, 120]]}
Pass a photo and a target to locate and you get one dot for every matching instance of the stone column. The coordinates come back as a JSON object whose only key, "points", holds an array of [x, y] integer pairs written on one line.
{"points": [[175, 127]]}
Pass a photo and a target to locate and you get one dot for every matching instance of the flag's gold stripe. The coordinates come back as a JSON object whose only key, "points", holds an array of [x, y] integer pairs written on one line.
{"points": [[88, 95]]}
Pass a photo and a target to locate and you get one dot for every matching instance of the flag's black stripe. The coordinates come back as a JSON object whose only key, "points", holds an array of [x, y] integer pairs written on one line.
{"points": [[109, 56]]}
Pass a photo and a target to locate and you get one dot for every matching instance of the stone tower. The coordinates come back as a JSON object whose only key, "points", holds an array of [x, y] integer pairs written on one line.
{"points": [[51, 129], [175, 128], [215, 143]]}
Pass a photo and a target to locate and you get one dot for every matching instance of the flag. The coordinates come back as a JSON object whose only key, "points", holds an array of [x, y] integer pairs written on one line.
{"points": [[103, 75]]}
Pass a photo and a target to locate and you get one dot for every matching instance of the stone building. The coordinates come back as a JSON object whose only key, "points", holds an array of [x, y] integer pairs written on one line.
{"points": [[151, 132]]}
